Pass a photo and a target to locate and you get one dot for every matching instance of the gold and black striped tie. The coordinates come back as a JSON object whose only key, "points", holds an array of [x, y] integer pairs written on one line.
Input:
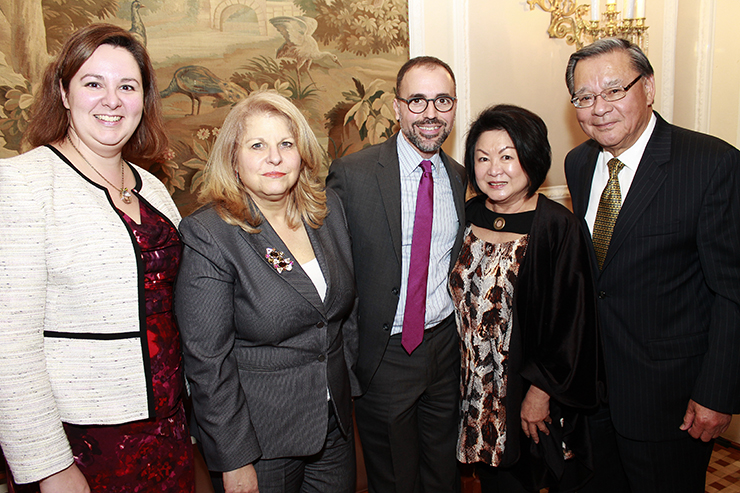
{"points": [[606, 214]]}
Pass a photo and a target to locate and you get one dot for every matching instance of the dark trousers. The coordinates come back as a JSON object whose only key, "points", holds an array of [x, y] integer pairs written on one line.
{"points": [[609, 475], [676, 466], [330, 470], [408, 418], [623, 465], [498, 480]]}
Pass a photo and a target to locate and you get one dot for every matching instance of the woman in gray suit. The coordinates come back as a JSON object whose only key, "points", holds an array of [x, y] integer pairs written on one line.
{"points": [[266, 304]]}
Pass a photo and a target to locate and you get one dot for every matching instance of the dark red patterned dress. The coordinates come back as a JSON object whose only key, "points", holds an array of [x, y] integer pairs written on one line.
{"points": [[152, 455]]}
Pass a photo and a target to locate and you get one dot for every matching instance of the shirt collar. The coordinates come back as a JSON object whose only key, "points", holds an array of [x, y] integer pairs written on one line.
{"points": [[632, 156]]}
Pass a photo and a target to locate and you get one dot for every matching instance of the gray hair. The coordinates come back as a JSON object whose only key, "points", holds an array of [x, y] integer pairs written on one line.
{"points": [[603, 46]]}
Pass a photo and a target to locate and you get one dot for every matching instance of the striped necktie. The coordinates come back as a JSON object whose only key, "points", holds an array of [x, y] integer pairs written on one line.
{"points": [[606, 214]]}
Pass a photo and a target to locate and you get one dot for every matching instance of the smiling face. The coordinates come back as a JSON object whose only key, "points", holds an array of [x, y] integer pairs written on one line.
{"points": [[105, 100], [498, 172], [616, 125], [428, 130], [268, 160]]}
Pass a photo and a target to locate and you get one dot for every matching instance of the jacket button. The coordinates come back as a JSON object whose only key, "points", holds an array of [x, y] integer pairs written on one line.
{"points": [[320, 325], [602, 295], [386, 327], [395, 291], [322, 358]]}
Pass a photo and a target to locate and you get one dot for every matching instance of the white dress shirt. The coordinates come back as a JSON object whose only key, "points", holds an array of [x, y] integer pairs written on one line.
{"points": [[445, 224], [631, 159]]}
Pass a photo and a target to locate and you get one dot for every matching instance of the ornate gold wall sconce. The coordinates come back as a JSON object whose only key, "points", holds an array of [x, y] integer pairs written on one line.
{"points": [[568, 21]]}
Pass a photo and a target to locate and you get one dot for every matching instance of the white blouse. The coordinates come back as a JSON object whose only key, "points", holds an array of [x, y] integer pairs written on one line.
{"points": [[313, 270]]}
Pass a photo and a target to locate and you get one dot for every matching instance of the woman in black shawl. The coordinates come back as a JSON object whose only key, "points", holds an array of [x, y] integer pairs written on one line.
{"points": [[526, 314]]}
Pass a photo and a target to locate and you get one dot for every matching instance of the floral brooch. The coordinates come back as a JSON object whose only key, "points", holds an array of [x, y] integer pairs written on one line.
{"points": [[276, 259]]}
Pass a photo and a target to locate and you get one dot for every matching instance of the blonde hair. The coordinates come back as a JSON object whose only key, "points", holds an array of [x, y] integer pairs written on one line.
{"points": [[229, 197]]}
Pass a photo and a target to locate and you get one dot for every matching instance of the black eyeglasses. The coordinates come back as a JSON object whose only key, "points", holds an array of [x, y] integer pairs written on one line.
{"points": [[443, 104], [610, 95]]}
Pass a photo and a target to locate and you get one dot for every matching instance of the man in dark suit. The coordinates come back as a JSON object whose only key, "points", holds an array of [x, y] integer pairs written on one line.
{"points": [[409, 361], [667, 272]]}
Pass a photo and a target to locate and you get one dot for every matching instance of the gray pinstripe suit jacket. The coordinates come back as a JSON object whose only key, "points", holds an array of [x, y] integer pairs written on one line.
{"points": [[260, 347], [669, 291], [369, 183]]}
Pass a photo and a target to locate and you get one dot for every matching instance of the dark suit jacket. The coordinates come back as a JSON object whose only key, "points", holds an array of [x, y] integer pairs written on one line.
{"points": [[669, 291], [260, 347], [369, 185]]}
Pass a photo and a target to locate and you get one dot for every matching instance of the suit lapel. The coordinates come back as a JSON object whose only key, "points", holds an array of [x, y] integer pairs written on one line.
{"points": [[389, 182], [585, 179], [296, 277], [649, 178], [323, 248], [458, 188]]}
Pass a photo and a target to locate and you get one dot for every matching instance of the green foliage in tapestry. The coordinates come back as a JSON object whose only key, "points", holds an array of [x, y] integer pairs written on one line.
{"points": [[63, 17], [266, 73], [15, 103], [363, 27]]}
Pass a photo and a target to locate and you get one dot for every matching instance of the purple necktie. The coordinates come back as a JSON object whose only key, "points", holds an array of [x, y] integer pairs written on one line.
{"points": [[416, 295]]}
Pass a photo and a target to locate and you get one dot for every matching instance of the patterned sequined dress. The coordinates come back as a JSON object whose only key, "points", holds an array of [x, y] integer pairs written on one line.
{"points": [[152, 455], [482, 284]]}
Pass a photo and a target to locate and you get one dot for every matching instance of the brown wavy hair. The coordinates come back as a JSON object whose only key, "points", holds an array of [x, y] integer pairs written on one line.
{"points": [[50, 119], [221, 187]]}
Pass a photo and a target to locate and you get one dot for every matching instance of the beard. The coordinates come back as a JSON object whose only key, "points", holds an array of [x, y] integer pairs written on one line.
{"points": [[423, 144]]}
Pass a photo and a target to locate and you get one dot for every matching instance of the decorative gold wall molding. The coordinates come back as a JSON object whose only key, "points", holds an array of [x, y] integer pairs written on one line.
{"points": [[567, 21]]}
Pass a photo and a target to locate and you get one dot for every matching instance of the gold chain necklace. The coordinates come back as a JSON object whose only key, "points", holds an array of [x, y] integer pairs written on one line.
{"points": [[125, 193]]}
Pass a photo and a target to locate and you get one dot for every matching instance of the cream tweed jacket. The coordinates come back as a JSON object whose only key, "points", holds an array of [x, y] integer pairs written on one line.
{"points": [[73, 345]]}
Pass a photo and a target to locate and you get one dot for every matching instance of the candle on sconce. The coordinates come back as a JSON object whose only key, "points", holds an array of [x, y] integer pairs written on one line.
{"points": [[629, 9], [623, 18], [640, 9]]}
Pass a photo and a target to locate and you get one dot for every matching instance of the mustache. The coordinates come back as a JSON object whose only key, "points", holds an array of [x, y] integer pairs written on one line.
{"points": [[428, 121]]}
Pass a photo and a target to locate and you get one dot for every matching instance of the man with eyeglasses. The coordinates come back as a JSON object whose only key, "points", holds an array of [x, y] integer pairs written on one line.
{"points": [[662, 205], [404, 201]]}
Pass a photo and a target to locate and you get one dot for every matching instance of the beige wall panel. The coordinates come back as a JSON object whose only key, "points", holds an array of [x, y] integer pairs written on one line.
{"points": [[687, 60], [724, 117], [513, 61]]}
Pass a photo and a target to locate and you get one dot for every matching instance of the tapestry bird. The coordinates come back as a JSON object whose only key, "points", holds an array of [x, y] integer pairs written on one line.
{"points": [[137, 25], [196, 81], [299, 43]]}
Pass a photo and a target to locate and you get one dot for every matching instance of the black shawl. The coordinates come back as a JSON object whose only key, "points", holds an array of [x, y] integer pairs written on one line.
{"points": [[554, 345]]}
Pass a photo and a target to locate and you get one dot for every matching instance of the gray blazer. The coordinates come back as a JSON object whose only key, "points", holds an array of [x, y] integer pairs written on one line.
{"points": [[260, 347], [369, 183]]}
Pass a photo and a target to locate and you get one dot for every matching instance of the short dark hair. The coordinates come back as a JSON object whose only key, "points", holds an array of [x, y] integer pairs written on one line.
{"points": [[50, 119], [640, 62], [422, 61], [528, 133]]}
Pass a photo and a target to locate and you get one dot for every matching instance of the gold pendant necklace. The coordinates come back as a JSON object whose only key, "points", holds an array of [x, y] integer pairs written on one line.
{"points": [[126, 196]]}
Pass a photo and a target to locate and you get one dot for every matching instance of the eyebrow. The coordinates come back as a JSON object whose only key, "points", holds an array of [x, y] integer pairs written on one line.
{"points": [[424, 96], [100, 77], [264, 139], [478, 149], [610, 83]]}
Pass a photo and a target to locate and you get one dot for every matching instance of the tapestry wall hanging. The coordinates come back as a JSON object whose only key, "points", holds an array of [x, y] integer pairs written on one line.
{"points": [[335, 59]]}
